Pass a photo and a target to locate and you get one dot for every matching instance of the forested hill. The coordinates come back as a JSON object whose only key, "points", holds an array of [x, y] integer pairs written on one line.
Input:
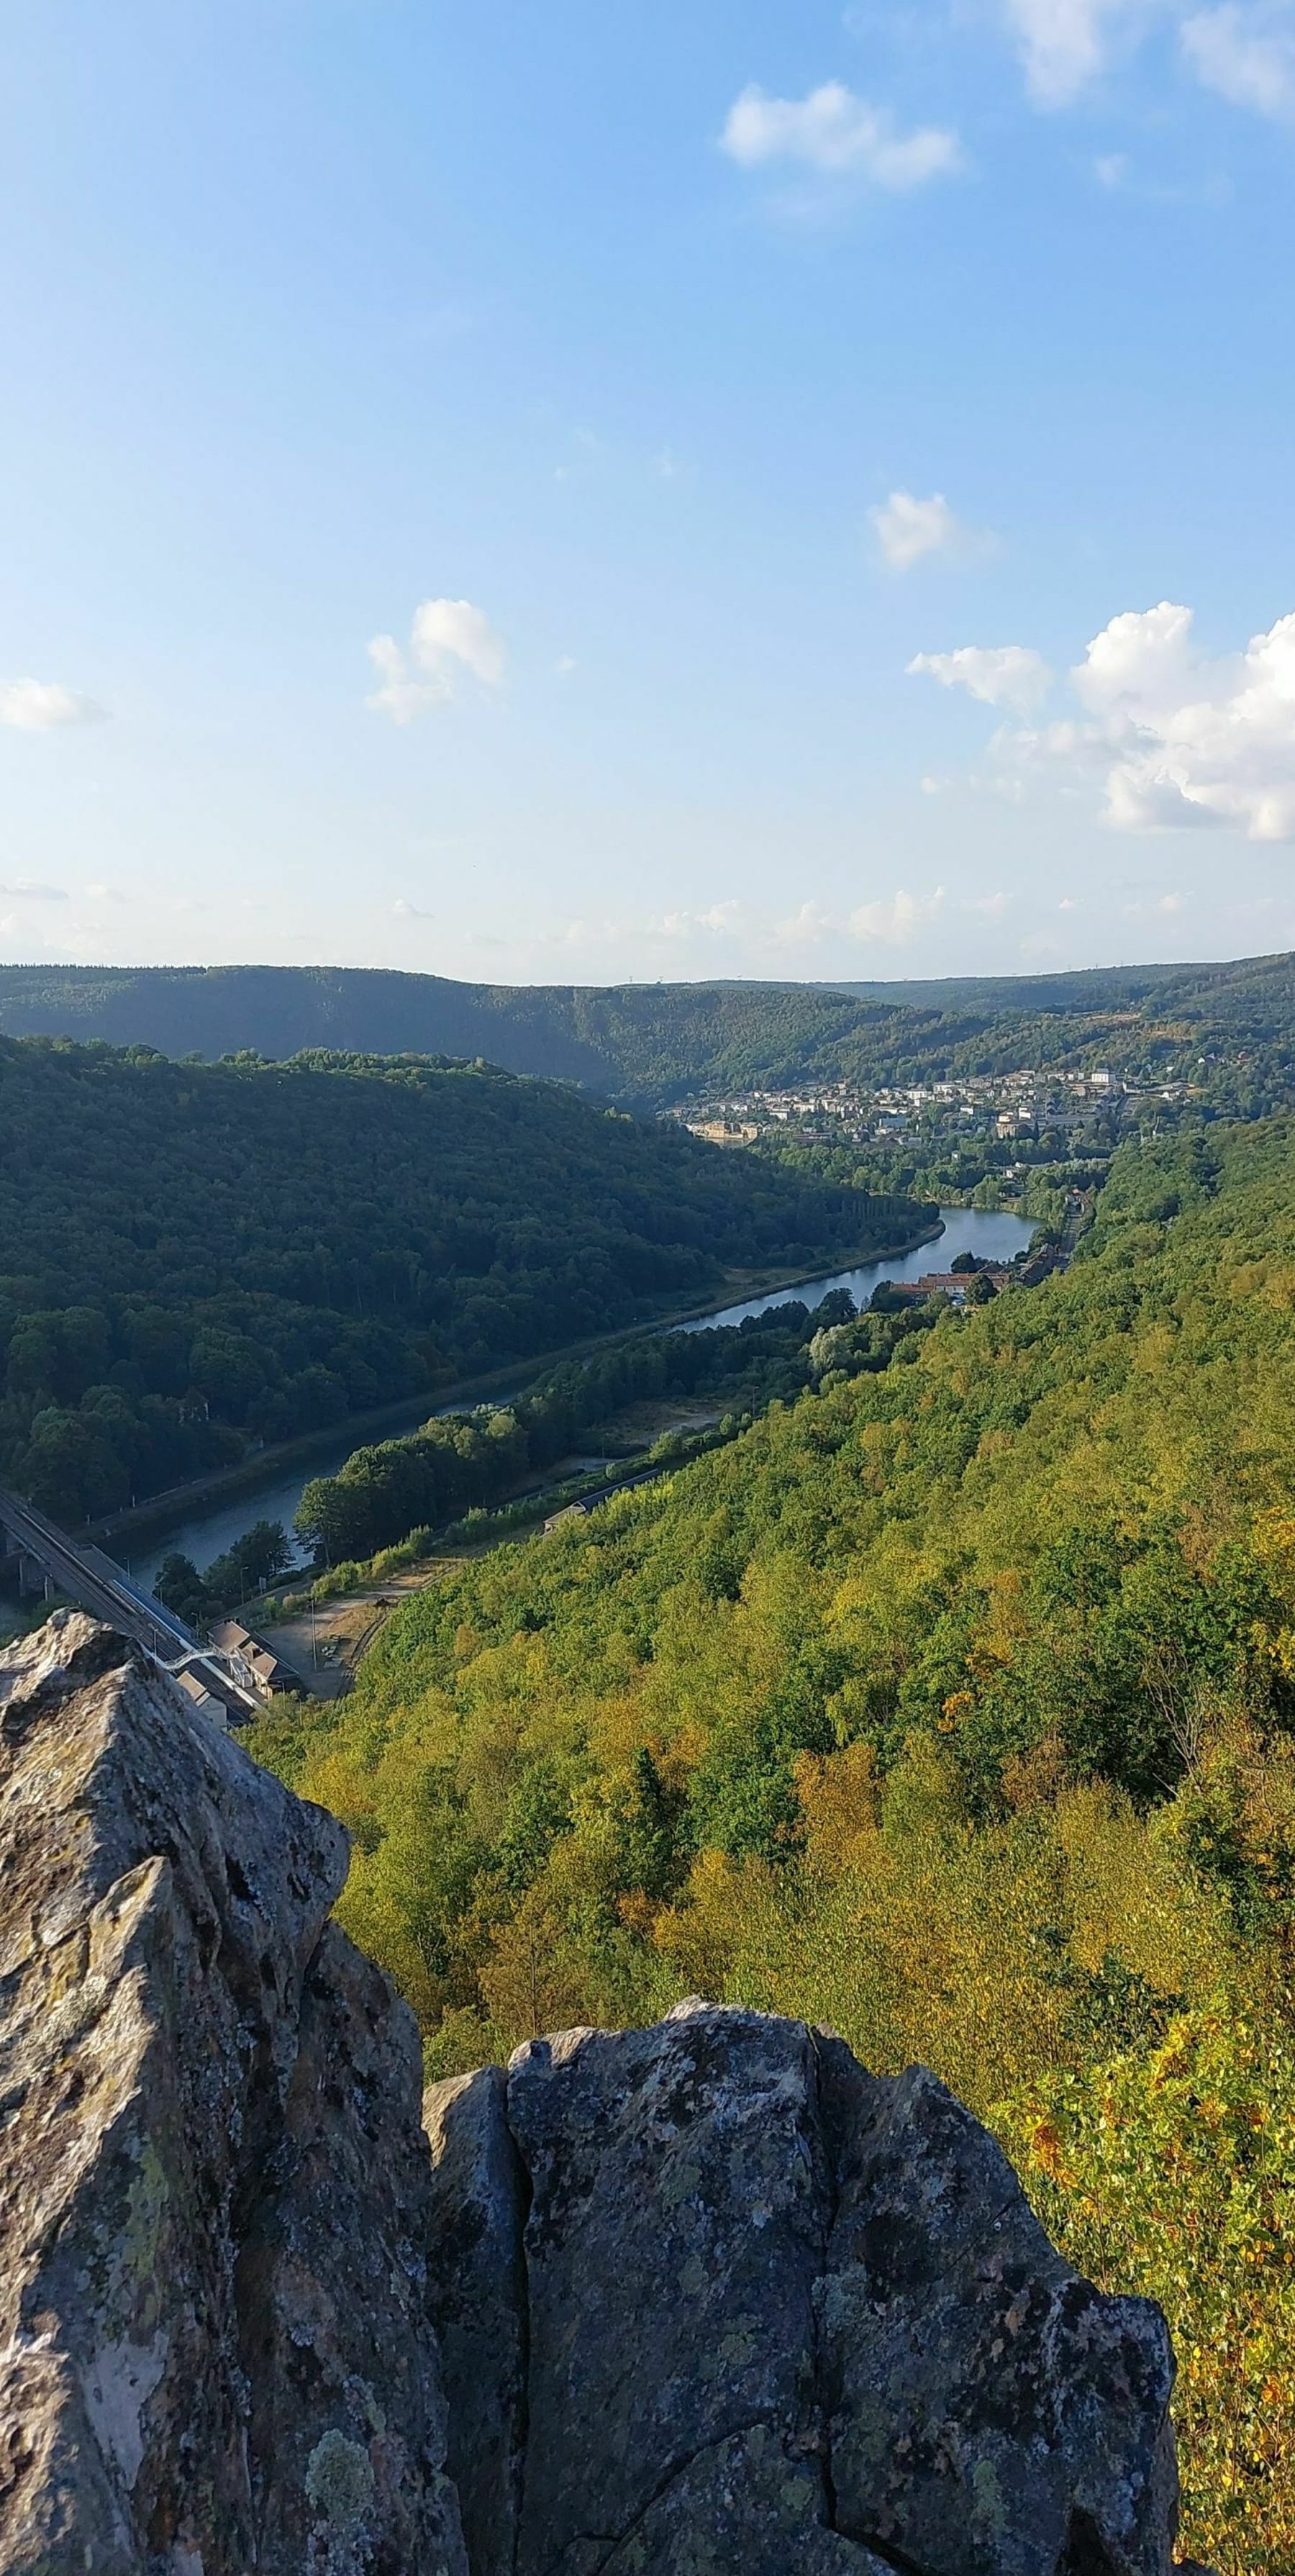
{"points": [[952, 1704], [194, 1257], [1230, 1026], [642, 1043]]}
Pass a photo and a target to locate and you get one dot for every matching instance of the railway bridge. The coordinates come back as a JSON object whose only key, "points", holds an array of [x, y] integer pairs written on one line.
{"points": [[47, 1556]]}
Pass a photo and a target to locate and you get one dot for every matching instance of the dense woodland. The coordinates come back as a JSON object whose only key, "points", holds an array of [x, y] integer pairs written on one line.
{"points": [[951, 1699], [197, 1257], [950, 1703], [466, 1461], [654, 1044]]}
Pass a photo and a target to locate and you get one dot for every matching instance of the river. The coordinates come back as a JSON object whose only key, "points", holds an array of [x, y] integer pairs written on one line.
{"points": [[207, 1531], [979, 1230]]}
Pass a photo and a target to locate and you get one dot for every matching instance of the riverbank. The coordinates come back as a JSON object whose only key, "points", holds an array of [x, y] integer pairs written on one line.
{"points": [[170, 1518], [316, 1625]]}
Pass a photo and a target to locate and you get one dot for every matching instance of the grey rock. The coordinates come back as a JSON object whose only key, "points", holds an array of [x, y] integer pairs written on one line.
{"points": [[780, 2313], [987, 2410], [678, 2201], [705, 2299], [215, 2347], [477, 2286]]}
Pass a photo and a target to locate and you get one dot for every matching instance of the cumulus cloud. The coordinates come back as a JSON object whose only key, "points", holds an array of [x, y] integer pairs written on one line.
{"points": [[806, 926], [838, 134], [1178, 739], [1196, 741], [23, 890], [1246, 54], [448, 636], [717, 918], [1243, 49], [907, 528], [39, 706], [895, 918], [1062, 44], [1000, 675]]}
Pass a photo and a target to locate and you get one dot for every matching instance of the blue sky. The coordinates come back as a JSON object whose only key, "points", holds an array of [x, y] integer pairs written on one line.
{"points": [[664, 488]]}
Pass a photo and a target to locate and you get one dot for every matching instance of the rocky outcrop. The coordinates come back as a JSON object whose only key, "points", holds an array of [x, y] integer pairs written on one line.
{"points": [[670, 2302], [215, 2196], [772, 2312]]}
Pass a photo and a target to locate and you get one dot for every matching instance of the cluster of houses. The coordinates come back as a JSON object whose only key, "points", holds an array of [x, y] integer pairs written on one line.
{"points": [[1023, 1104]]}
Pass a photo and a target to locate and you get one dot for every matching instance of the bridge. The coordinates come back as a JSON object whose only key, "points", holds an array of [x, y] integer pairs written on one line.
{"points": [[46, 1555]]}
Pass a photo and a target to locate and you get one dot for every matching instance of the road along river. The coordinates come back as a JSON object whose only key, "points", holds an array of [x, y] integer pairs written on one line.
{"points": [[206, 1532]]}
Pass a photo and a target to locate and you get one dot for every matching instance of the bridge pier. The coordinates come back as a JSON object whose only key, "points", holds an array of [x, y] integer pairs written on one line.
{"points": [[31, 1574]]}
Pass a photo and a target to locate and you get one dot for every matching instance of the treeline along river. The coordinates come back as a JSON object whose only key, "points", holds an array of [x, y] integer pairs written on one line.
{"points": [[207, 1531]]}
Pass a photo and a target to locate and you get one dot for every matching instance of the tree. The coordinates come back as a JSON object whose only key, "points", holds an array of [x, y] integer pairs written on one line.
{"points": [[179, 1585]]}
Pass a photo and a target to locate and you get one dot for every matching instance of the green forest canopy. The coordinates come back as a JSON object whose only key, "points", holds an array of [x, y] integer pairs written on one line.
{"points": [[194, 1256], [654, 1044], [951, 1704]]}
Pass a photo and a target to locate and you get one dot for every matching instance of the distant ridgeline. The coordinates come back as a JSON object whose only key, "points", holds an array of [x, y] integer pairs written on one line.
{"points": [[194, 1257], [1229, 1027]]}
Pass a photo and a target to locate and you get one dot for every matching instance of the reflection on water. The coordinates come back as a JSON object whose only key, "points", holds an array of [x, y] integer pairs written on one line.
{"points": [[205, 1534], [993, 1237]]}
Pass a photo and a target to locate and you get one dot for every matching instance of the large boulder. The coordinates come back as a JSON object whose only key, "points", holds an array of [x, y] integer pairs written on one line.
{"points": [[776, 2313], [667, 2302], [215, 2199]]}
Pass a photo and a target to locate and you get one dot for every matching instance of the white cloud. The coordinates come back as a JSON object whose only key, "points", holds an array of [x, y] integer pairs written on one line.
{"points": [[450, 630], [447, 637], [1246, 54], [895, 918], [992, 905], [908, 528], [400, 696], [24, 891], [1244, 49], [1196, 741], [838, 134], [38, 706], [1062, 44], [810, 924], [1140, 660], [1000, 675], [1178, 740], [718, 917]]}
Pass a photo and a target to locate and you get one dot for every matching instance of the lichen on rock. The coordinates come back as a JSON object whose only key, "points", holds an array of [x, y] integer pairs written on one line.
{"points": [[700, 2300], [214, 2188], [777, 2312]]}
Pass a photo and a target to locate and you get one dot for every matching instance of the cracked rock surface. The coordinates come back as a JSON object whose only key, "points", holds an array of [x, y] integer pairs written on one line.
{"points": [[215, 2195], [766, 2312], [667, 2302]]}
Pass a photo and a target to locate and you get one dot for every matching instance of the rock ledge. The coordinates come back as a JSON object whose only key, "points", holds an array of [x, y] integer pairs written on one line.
{"points": [[665, 2302]]}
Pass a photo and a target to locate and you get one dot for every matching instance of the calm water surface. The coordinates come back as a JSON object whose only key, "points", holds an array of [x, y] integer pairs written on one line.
{"points": [[207, 1533], [994, 1238]]}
